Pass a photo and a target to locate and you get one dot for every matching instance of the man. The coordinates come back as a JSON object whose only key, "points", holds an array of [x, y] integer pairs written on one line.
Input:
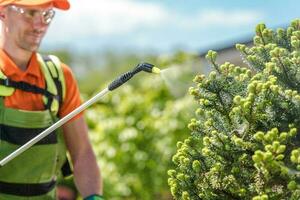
{"points": [[29, 98]]}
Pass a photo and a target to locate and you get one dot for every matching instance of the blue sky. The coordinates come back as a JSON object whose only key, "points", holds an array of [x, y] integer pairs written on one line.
{"points": [[163, 25]]}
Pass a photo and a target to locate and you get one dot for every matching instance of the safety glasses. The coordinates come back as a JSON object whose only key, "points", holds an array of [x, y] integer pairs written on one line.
{"points": [[33, 14]]}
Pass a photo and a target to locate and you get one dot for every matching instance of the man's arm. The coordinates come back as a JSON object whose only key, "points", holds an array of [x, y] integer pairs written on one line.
{"points": [[86, 172]]}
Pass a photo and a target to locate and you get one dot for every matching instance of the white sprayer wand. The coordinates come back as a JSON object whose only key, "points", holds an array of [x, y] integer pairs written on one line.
{"points": [[113, 85]]}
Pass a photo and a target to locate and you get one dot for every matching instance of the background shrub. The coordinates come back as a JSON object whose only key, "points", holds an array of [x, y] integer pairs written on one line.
{"points": [[130, 131]]}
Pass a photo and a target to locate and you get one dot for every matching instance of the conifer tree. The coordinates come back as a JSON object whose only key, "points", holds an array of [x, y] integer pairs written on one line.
{"points": [[244, 141]]}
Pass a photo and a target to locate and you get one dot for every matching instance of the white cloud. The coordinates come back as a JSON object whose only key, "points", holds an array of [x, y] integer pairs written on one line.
{"points": [[208, 18], [104, 17], [229, 18]]}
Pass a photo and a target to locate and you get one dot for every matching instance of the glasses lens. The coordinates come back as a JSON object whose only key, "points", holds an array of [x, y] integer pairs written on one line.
{"points": [[48, 16], [32, 14]]}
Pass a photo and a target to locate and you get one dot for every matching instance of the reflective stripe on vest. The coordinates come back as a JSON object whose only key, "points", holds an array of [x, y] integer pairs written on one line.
{"points": [[51, 69], [5, 91], [38, 166]]}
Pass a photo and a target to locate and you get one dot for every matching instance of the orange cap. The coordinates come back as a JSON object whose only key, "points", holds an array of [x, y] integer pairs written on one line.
{"points": [[60, 4]]}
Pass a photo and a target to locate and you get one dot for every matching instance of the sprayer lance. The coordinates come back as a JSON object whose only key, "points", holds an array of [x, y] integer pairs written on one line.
{"points": [[128, 75], [113, 85]]}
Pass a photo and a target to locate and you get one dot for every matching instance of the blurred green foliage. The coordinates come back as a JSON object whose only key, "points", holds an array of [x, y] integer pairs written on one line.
{"points": [[134, 129], [63, 54]]}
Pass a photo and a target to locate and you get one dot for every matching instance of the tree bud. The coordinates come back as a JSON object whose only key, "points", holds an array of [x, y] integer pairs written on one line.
{"points": [[292, 185]]}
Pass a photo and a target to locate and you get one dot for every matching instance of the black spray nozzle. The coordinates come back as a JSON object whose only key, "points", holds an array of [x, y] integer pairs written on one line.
{"points": [[147, 67]]}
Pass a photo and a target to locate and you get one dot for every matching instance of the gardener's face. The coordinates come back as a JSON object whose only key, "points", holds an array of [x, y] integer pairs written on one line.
{"points": [[25, 27]]}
